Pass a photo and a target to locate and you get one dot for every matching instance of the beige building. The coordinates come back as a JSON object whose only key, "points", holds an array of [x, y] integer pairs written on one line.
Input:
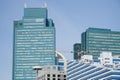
{"points": [[51, 73]]}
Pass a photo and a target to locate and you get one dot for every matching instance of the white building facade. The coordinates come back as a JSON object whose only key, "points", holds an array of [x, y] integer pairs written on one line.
{"points": [[51, 73], [105, 68]]}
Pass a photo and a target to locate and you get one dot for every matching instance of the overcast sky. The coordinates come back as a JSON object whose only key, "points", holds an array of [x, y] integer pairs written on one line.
{"points": [[71, 18]]}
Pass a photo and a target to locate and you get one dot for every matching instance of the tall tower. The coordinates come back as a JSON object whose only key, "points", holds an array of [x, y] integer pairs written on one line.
{"points": [[34, 43]]}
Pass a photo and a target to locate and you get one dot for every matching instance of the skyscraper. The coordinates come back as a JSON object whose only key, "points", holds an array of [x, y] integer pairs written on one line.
{"points": [[34, 43], [76, 48], [97, 40]]}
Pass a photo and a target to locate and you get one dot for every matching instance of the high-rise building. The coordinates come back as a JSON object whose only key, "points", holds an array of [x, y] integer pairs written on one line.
{"points": [[76, 49], [95, 41], [34, 43]]}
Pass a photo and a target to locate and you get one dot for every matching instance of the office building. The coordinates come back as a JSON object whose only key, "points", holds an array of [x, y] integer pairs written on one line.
{"points": [[34, 43], [95, 40], [76, 49], [105, 68]]}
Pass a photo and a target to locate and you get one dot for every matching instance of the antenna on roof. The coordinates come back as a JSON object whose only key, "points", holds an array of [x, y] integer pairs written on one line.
{"points": [[44, 4], [25, 4]]}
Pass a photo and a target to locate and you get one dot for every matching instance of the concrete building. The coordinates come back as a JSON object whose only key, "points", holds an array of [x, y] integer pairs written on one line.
{"points": [[98, 40], [34, 43], [49, 72], [89, 69]]}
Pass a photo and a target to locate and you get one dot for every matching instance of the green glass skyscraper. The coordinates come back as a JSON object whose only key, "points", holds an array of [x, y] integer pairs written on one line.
{"points": [[96, 40], [76, 49], [34, 43]]}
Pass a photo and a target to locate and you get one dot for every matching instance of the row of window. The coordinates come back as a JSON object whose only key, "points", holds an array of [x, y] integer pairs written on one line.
{"points": [[54, 79], [105, 34], [28, 51], [46, 29], [35, 55], [40, 31], [105, 40], [35, 23], [34, 32], [33, 39], [33, 27], [34, 64], [35, 45], [104, 45], [108, 41], [54, 75], [34, 20], [39, 36], [35, 51], [103, 48], [23, 78], [34, 48], [27, 57], [32, 42], [34, 35], [99, 51], [29, 41]]}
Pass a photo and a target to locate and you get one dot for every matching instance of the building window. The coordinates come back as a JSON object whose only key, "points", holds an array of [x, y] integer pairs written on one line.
{"points": [[54, 75], [58, 75], [107, 59], [106, 62], [20, 24], [48, 75], [48, 78], [54, 79], [64, 75], [54, 67]]}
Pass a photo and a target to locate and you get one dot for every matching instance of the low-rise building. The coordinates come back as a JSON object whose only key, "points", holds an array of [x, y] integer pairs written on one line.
{"points": [[51, 73], [105, 68]]}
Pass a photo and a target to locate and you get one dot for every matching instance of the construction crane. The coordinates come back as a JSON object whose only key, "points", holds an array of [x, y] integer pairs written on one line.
{"points": [[79, 53]]}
